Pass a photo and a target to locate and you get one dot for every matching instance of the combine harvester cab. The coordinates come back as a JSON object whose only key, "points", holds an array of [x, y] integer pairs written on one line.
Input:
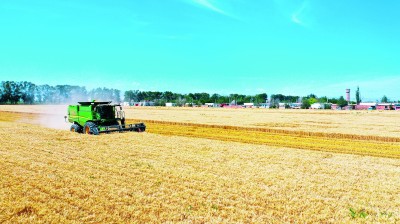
{"points": [[99, 117]]}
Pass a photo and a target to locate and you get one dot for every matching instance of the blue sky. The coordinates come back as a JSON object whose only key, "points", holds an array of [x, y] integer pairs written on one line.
{"points": [[292, 47]]}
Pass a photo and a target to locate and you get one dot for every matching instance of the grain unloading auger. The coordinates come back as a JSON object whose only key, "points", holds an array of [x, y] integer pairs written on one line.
{"points": [[99, 117]]}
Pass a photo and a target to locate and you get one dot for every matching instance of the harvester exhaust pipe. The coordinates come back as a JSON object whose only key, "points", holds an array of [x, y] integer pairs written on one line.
{"points": [[65, 118]]}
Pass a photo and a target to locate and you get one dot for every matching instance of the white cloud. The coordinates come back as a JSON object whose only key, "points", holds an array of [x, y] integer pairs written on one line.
{"points": [[295, 19], [212, 5], [298, 16], [209, 5], [297, 12]]}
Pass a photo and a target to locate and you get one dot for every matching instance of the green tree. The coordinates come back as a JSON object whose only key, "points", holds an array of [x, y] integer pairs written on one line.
{"points": [[342, 102], [312, 101], [333, 100], [98, 94], [214, 98], [261, 98], [312, 95], [27, 92], [128, 95], [168, 96], [204, 98], [384, 99], [323, 99], [305, 103], [11, 92], [358, 97]]}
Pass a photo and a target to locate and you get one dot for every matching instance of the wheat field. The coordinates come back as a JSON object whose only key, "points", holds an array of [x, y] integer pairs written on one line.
{"points": [[377, 123], [370, 123], [201, 172]]}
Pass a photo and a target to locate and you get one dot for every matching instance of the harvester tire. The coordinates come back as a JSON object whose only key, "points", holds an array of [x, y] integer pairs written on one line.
{"points": [[75, 128], [90, 128]]}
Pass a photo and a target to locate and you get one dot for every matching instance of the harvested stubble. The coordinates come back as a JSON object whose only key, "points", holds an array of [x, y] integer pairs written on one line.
{"points": [[56, 176], [338, 143], [369, 123]]}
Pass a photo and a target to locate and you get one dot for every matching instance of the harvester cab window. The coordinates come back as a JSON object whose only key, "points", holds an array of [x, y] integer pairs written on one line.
{"points": [[106, 112]]}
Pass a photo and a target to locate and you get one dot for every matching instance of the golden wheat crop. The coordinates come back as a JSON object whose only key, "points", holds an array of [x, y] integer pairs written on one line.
{"points": [[333, 142], [54, 176], [339, 143], [369, 123], [166, 175]]}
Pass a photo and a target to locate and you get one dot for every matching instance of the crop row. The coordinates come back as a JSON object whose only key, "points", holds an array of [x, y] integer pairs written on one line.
{"points": [[285, 132], [338, 143]]}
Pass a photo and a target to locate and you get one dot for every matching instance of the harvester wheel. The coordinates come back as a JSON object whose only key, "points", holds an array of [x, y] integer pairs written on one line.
{"points": [[90, 128], [75, 128]]}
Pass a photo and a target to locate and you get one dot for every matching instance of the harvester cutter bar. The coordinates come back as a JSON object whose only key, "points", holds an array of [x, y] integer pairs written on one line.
{"points": [[140, 127]]}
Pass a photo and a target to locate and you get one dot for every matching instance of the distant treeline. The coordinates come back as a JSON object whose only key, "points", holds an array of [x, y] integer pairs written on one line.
{"points": [[160, 98], [29, 93]]}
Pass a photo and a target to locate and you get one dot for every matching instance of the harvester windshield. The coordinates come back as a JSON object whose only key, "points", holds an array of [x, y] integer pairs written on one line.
{"points": [[106, 111]]}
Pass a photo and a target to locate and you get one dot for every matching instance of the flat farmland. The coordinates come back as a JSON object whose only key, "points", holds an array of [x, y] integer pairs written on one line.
{"points": [[374, 123], [379, 123], [198, 165]]}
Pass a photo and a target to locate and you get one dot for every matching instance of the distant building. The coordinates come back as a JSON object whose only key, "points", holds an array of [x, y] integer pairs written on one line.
{"points": [[282, 105], [211, 105], [385, 106], [170, 104], [231, 106], [265, 105], [317, 106], [295, 105], [143, 104], [377, 106], [350, 107], [365, 106], [321, 105], [191, 105], [248, 105]]}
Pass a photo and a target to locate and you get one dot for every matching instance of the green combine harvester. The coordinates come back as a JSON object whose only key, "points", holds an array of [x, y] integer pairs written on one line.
{"points": [[99, 117]]}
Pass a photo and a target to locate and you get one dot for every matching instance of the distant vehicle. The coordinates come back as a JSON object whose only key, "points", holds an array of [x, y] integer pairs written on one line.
{"points": [[372, 108]]}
